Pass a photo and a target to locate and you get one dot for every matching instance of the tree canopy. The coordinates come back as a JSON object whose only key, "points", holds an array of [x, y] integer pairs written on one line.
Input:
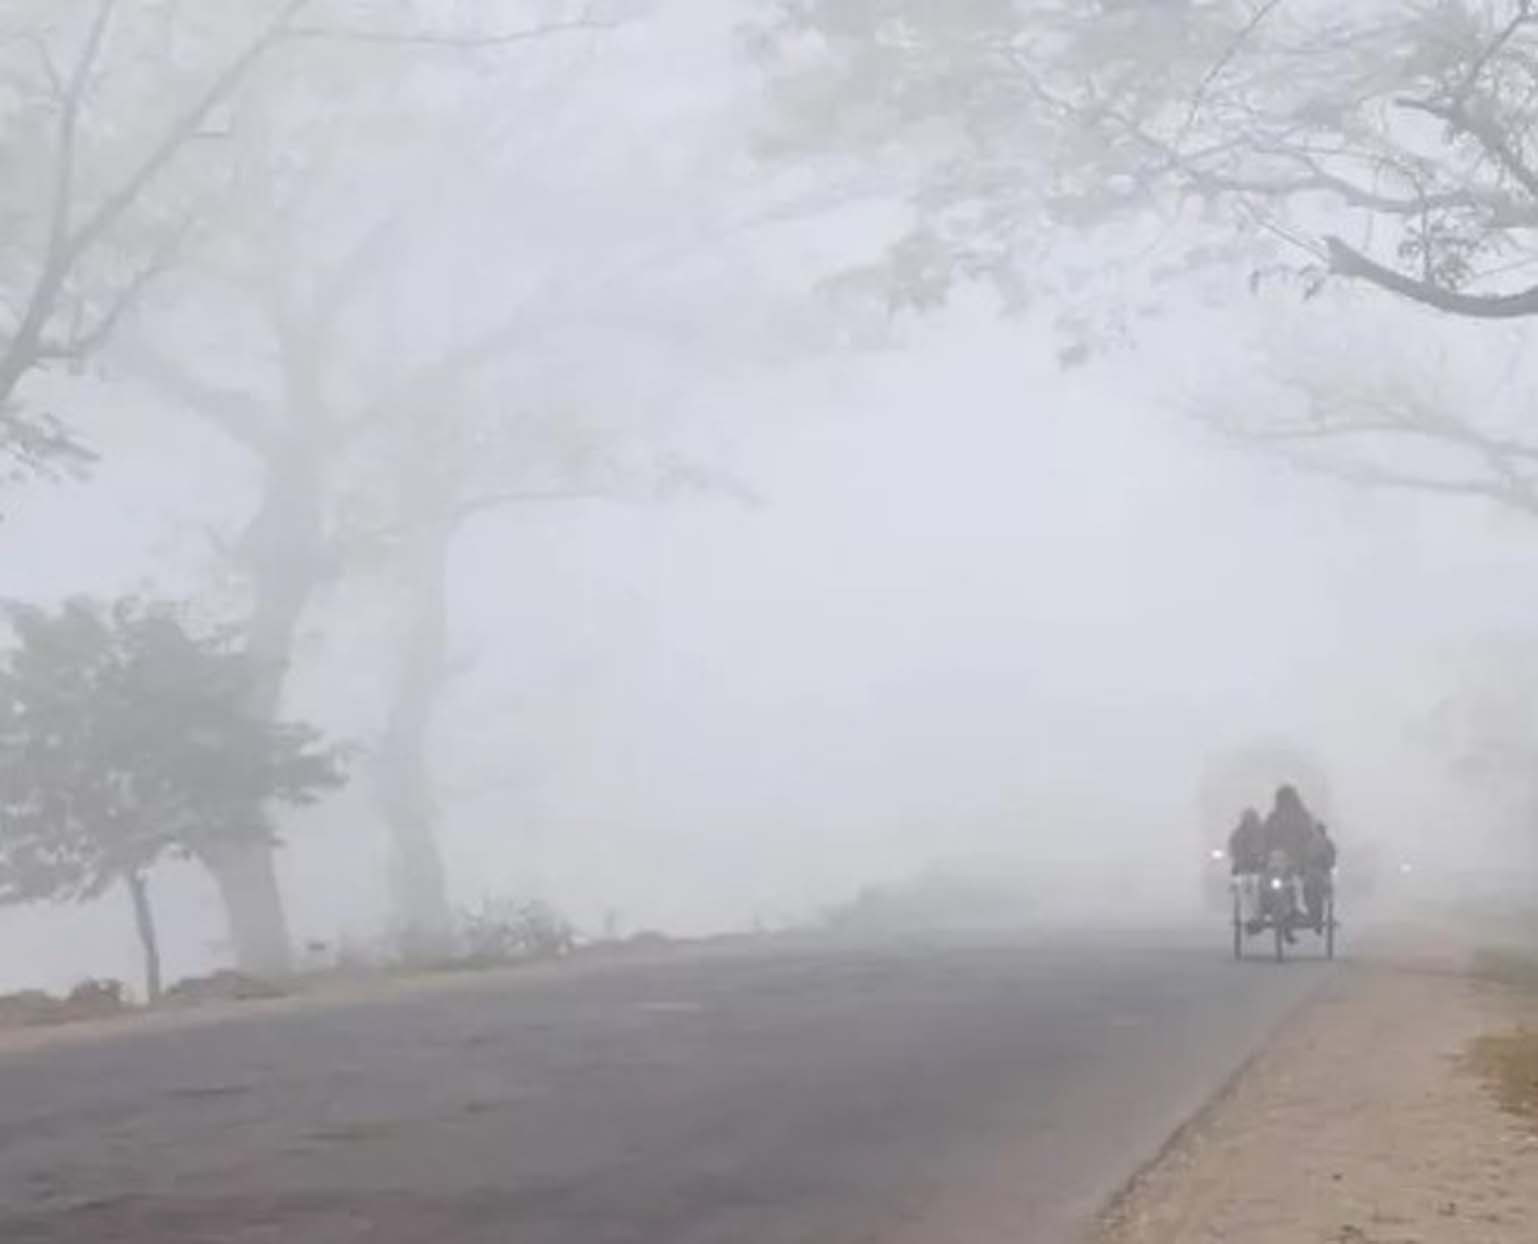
{"points": [[1091, 157], [1387, 143]]}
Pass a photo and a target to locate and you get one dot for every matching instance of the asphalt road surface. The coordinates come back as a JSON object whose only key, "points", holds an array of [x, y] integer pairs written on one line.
{"points": [[947, 1092]]}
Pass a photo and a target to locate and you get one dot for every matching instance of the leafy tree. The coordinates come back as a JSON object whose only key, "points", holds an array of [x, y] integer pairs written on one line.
{"points": [[123, 740]]}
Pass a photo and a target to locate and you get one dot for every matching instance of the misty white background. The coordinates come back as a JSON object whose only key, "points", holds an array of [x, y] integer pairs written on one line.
{"points": [[982, 611]]}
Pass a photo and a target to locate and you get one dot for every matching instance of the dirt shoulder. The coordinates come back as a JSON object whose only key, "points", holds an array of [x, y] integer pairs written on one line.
{"points": [[341, 992], [1376, 1117]]}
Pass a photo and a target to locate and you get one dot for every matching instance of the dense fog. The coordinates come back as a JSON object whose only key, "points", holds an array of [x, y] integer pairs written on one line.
{"points": [[762, 593]]}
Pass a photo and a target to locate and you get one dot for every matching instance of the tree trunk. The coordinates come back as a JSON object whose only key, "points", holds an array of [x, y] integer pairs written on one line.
{"points": [[149, 940], [285, 554], [404, 776], [247, 877]]}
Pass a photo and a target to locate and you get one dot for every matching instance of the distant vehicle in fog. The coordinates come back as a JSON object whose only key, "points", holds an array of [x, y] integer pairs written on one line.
{"points": [[1248, 776]]}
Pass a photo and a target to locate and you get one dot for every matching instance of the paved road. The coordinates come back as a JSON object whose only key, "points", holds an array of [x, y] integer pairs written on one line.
{"points": [[945, 1093]]}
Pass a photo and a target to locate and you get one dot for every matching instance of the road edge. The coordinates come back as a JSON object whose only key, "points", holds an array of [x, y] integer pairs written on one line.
{"points": [[1188, 1121]]}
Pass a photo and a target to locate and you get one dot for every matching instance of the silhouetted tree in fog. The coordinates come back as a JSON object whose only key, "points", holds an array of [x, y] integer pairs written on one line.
{"points": [[113, 127], [264, 113]]}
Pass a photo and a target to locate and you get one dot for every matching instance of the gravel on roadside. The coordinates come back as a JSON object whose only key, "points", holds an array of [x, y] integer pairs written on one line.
{"points": [[1365, 1122]]}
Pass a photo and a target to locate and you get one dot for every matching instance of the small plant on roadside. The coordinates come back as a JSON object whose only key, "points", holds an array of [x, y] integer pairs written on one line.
{"points": [[501, 930], [98, 997], [223, 986]]}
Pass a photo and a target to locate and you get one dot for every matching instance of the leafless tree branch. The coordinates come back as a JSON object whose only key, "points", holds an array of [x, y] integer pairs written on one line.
{"points": [[1372, 475], [1500, 452], [240, 416], [1524, 16], [21, 351], [489, 40], [1485, 132], [181, 131], [1236, 45], [475, 506], [83, 344]]}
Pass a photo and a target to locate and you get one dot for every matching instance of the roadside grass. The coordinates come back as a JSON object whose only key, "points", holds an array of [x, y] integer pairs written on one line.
{"points": [[1508, 1064]]}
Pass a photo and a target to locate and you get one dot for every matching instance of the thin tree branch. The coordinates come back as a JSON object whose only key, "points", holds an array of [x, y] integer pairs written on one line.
{"points": [[240, 416], [1507, 486], [1485, 132], [180, 132], [21, 350], [1447, 432], [1314, 178], [68, 243], [445, 39], [40, 445], [1524, 16], [1368, 475], [474, 507], [82, 345], [1233, 49]]}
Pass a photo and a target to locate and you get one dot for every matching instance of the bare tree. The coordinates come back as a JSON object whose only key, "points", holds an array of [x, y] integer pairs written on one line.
{"points": [[443, 459], [97, 210], [440, 484]]}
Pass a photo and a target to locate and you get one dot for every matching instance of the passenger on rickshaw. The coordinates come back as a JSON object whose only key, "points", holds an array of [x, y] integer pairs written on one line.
{"points": [[1317, 872], [1247, 857]]}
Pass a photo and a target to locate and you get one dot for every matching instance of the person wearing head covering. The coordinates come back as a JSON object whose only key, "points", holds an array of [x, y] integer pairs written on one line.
{"points": [[1290, 829], [1317, 870], [1247, 844], [1246, 858]]}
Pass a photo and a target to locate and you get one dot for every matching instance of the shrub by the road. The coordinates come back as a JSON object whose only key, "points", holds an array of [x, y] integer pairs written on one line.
{"points": [[92, 999], [507, 930]]}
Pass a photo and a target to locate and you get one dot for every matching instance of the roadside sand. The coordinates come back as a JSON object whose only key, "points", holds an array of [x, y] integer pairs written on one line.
{"points": [[1363, 1123]]}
